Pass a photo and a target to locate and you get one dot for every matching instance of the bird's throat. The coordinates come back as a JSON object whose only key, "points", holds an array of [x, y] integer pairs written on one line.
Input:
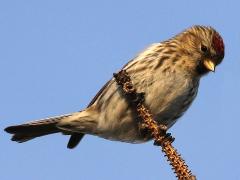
{"points": [[201, 69]]}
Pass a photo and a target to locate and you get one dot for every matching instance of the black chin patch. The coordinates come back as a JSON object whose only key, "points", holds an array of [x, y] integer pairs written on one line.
{"points": [[201, 69]]}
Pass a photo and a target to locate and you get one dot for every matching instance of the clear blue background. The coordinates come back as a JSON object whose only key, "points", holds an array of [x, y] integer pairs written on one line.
{"points": [[55, 56]]}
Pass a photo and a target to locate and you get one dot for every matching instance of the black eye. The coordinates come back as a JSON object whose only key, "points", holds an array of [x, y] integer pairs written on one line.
{"points": [[204, 48]]}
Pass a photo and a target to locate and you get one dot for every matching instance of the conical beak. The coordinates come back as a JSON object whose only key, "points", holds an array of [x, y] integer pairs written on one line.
{"points": [[209, 64]]}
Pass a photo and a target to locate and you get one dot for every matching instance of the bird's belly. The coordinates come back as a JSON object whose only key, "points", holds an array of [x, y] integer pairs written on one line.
{"points": [[168, 114], [171, 104], [118, 121]]}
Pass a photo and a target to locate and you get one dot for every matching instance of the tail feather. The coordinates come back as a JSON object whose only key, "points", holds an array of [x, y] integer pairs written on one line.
{"points": [[24, 132], [74, 140]]}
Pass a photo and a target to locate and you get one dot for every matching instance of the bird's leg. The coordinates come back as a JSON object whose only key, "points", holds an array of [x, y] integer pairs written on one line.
{"points": [[140, 98], [165, 137]]}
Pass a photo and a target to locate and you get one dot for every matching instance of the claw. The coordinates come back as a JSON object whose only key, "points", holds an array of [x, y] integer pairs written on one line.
{"points": [[139, 98]]}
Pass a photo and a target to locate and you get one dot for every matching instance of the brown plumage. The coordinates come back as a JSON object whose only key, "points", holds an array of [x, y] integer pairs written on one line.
{"points": [[168, 73]]}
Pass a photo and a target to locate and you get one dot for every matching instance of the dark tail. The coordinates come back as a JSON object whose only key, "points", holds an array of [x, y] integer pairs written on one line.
{"points": [[74, 140], [24, 132]]}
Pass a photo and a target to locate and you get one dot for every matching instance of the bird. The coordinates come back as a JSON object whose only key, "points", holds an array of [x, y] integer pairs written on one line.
{"points": [[168, 73]]}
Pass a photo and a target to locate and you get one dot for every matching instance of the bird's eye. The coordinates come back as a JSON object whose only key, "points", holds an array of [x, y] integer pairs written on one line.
{"points": [[204, 48]]}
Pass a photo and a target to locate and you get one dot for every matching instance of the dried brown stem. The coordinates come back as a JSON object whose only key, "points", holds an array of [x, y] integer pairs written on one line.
{"points": [[158, 132]]}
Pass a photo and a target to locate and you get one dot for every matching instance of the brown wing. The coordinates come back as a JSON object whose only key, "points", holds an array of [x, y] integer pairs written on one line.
{"points": [[77, 137]]}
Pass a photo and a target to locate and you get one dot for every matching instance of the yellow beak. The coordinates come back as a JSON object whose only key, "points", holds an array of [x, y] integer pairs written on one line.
{"points": [[209, 64]]}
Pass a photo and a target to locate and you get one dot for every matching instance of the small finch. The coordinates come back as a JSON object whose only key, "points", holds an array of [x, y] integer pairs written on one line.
{"points": [[168, 73]]}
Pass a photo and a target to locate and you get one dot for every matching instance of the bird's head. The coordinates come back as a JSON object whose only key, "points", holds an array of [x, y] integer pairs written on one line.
{"points": [[203, 46]]}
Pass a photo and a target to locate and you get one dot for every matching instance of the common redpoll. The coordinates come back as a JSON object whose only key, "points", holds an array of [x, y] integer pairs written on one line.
{"points": [[168, 73]]}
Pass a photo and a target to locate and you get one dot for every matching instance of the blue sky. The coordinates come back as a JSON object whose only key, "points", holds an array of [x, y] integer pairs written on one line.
{"points": [[56, 55]]}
